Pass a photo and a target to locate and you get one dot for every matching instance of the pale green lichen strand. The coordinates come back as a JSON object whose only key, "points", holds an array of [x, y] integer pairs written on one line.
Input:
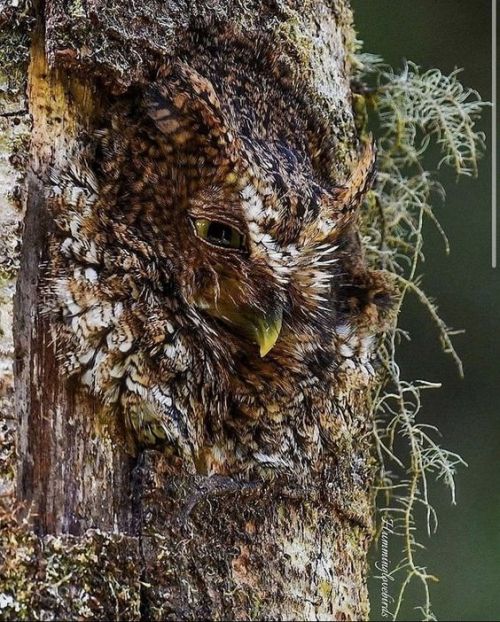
{"points": [[411, 110]]}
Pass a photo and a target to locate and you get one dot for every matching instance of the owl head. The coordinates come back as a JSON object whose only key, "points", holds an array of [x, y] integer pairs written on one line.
{"points": [[257, 226]]}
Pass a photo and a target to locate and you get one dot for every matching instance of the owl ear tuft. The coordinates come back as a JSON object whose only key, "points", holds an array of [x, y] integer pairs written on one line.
{"points": [[187, 111], [352, 193], [346, 199]]}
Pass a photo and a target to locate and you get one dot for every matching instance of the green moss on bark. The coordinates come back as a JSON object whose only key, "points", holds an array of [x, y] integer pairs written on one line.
{"points": [[92, 577]]}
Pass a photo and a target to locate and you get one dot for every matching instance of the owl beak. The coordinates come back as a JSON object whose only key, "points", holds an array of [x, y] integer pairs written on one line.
{"points": [[260, 326], [266, 330]]}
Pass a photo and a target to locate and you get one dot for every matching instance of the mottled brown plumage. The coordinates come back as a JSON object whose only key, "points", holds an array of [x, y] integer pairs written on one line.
{"points": [[168, 327]]}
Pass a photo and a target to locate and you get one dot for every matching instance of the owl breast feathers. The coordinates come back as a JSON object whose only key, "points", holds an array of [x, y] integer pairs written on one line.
{"points": [[208, 275]]}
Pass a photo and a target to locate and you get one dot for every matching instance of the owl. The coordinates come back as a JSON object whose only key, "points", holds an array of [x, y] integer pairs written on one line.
{"points": [[206, 272]]}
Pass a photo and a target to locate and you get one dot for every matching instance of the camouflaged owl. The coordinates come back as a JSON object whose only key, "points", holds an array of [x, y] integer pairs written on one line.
{"points": [[208, 277]]}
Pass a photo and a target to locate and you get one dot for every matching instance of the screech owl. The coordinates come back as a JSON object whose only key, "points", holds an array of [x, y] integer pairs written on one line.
{"points": [[207, 272]]}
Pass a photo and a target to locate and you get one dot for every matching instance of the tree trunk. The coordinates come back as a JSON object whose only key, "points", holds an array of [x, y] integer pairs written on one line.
{"points": [[135, 536]]}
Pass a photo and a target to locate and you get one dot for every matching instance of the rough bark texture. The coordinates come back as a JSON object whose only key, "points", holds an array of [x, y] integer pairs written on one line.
{"points": [[70, 447], [107, 535]]}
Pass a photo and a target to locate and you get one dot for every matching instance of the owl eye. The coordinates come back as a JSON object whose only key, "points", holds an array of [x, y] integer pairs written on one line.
{"points": [[219, 234]]}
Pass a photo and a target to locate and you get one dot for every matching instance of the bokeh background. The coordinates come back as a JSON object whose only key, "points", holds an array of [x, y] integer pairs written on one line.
{"points": [[465, 551]]}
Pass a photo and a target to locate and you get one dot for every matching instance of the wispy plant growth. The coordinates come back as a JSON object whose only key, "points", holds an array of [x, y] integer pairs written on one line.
{"points": [[408, 111]]}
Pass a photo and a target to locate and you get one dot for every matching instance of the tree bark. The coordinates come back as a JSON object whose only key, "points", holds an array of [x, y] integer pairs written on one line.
{"points": [[70, 474], [136, 537]]}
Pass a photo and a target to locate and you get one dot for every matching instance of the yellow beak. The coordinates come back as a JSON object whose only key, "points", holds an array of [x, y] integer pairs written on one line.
{"points": [[267, 329], [262, 327]]}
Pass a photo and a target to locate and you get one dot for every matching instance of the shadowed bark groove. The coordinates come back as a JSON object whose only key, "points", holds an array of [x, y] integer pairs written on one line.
{"points": [[171, 545]]}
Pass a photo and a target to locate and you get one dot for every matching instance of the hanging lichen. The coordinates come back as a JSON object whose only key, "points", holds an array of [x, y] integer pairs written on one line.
{"points": [[409, 111]]}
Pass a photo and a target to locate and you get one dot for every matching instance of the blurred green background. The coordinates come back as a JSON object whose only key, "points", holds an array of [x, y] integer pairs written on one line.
{"points": [[465, 552]]}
